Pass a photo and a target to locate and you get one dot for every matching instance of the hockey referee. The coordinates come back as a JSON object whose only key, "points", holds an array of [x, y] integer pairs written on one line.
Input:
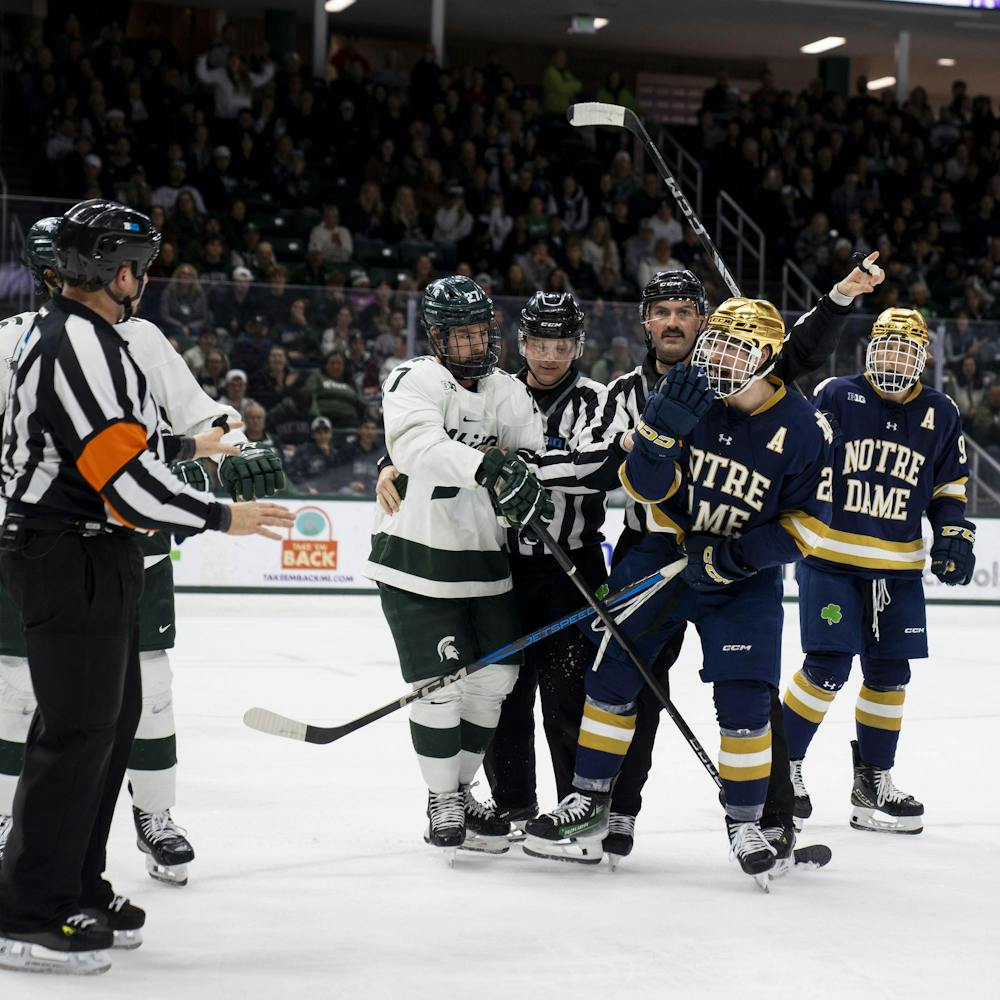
{"points": [[83, 471]]}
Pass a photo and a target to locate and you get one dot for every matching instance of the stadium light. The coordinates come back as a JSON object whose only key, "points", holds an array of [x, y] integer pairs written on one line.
{"points": [[336, 6], [823, 45], [881, 83], [586, 24], [946, 62]]}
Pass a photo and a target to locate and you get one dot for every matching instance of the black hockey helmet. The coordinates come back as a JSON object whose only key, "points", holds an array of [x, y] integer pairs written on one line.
{"points": [[96, 237], [674, 285], [39, 254], [449, 304], [554, 316]]}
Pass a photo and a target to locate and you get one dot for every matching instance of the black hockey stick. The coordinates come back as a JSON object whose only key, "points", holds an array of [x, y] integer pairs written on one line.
{"points": [[266, 721], [595, 113], [566, 565]]}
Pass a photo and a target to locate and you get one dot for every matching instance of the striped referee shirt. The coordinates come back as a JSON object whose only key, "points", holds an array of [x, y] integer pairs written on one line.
{"points": [[811, 341], [81, 432], [568, 411]]}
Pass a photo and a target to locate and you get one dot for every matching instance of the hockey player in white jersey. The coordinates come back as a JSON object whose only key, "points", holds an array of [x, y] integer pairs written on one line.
{"points": [[453, 425], [251, 473]]}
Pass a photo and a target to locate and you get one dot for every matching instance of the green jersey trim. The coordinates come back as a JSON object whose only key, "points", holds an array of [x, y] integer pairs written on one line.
{"points": [[443, 565]]}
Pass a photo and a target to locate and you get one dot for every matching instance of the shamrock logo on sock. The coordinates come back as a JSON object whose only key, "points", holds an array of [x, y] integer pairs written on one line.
{"points": [[831, 614]]}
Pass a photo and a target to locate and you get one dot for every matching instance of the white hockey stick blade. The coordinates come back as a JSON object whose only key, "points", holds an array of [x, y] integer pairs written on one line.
{"points": [[275, 725], [595, 113]]}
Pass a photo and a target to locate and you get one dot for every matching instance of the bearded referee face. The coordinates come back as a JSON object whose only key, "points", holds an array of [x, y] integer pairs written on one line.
{"points": [[673, 325]]}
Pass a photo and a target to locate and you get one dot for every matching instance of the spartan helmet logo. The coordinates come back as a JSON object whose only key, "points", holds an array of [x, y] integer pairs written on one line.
{"points": [[446, 649]]}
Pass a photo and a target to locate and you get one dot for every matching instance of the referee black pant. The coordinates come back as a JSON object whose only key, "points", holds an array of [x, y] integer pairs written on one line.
{"points": [[627, 794], [556, 667], [78, 598]]}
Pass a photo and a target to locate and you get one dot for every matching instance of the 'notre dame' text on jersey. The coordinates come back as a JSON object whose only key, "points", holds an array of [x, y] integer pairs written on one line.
{"points": [[446, 540], [895, 462]]}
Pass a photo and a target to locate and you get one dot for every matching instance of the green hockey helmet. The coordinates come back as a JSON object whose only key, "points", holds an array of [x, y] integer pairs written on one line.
{"points": [[38, 254], [461, 327]]}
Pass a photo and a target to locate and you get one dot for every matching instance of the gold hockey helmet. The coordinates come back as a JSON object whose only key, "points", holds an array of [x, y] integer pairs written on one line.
{"points": [[897, 351]]}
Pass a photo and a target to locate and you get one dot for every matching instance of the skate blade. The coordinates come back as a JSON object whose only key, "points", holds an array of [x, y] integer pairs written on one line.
{"points": [[763, 882], [870, 820], [580, 852], [486, 845], [126, 940], [20, 956], [173, 875], [798, 822], [614, 860], [781, 868]]}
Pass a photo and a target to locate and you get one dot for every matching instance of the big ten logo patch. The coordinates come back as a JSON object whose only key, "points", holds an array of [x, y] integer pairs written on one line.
{"points": [[310, 543]]}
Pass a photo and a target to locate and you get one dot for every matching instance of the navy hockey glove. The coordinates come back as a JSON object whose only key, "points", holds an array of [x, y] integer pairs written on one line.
{"points": [[254, 473], [193, 473], [514, 492], [952, 559], [712, 563], [678, 404]]}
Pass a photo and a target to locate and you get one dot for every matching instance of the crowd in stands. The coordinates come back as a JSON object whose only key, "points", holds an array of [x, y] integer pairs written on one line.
{"points": [[301, 216]]}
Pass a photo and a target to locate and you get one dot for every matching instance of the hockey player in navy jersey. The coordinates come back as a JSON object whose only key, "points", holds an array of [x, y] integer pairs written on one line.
{"points": [[901, 456], [738, 470]]}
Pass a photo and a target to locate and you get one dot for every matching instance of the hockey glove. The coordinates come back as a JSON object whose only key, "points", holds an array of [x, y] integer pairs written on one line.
{"points": [[193, 473], [680, 401], [253, 474], [515, 493], [712, 563], [952, 559], [838, 436]]}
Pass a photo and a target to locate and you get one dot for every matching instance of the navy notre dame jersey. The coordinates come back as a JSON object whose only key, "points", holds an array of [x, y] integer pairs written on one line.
{"points": [[895, 462], [763, 477]]}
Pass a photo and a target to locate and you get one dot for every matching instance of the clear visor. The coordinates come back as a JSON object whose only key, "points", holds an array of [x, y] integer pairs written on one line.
{"points": [[550, 348], [894, 362], [729, 362]]}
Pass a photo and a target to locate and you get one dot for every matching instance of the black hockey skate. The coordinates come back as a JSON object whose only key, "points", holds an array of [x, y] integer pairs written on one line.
{"points": [[620, 839], [6, 822], [803, 804], [77, 945], [878, 805], [485, 831], [165, 845], [517, 816], [573, 831], [751, 849], [125, 920], [787, 856], [446, 821]]}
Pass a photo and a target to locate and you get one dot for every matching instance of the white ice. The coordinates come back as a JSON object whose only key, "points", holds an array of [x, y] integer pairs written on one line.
{"points": [[312, 879]]}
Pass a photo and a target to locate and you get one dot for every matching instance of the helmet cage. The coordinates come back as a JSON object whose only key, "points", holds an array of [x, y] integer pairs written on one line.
{"points": [[894, 362], [730, 362]]}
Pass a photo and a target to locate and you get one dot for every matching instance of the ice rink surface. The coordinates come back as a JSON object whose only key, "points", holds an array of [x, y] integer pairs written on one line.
{"points": [[312, 879]]}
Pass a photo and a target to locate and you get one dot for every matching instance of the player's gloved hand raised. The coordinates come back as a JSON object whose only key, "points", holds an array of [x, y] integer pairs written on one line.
{"points": [[712, 563], [192, 473], [514, 491], [680, 401], [952, 559], [254, 473]]}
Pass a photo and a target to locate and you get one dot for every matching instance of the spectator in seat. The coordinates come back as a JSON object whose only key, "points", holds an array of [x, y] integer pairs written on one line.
{"points": [[968, 389], [166, 194], [986, 421], [232, 85], [255, 418], [292, 417], [298, 336], [599, 249], [579, 273], [186, 226], [237, 303], [313, 468], [403, 222], [452, 221], [271, 384], [214, 374], [196, 357], [617, 358], [250, 351], [662, 259], [664, 225], [184, 307], [573, 206], [333, 395], [234, 390], [358, 461], [814, 245], [559, 85], [330, 238]]}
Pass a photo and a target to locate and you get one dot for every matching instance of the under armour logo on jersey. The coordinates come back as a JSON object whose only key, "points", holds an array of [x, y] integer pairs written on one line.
{"points": [[891, 426], [829, 685], [725, 439], [446, 649]]}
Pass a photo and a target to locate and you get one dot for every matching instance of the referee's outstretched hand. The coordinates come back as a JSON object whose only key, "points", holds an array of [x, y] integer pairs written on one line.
{"points": [[251, 518]]}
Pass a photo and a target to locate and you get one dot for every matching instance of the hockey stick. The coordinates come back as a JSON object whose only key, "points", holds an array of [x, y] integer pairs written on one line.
{"points": [[595, 113], [566, 564], [274, 724]]}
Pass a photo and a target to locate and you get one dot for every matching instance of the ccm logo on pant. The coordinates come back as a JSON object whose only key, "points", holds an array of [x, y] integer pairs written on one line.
{"points": [[736, 649], [912, 631]]}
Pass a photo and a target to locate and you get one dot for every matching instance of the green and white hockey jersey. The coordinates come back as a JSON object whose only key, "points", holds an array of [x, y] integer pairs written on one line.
{"points": [[446, 541]]}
